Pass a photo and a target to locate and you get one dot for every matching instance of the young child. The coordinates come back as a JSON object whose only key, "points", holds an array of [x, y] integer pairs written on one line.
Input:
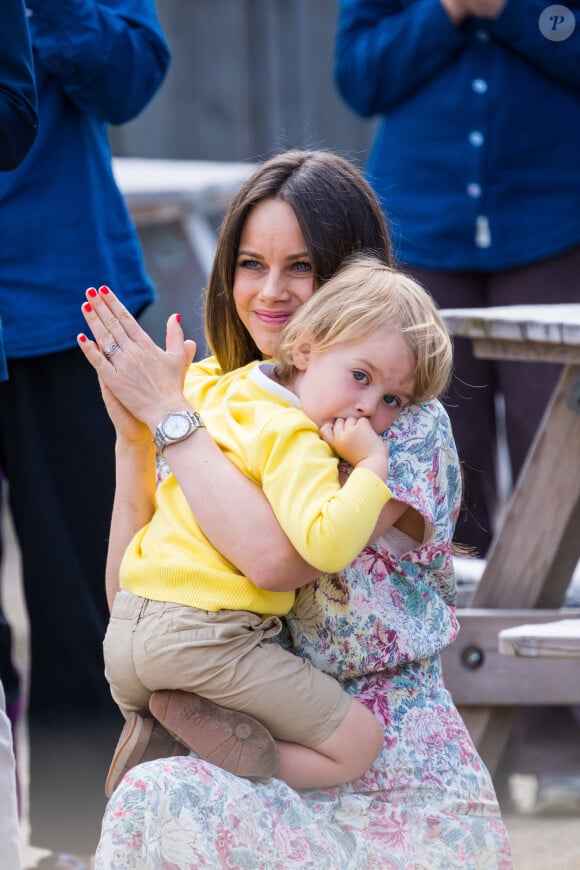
{"points": [[187, 630]]}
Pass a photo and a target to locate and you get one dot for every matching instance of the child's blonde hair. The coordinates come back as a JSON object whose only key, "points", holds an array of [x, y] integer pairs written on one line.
{"points": [[363, 296]]}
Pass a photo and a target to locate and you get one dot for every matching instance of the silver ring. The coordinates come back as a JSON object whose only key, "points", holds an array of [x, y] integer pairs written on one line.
{"points": [[109, 349]]}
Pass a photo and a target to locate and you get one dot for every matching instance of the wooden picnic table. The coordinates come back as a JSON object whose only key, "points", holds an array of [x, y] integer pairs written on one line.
{"points": [[185, 190], [536, 549], [176, 206]]}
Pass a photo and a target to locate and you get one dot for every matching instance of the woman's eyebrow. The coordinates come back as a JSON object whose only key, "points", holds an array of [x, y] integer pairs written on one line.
{"points": [[248, 253]]}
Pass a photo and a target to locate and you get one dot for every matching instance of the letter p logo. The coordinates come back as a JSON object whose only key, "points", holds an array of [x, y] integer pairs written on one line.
{"points": [[557, 23]]}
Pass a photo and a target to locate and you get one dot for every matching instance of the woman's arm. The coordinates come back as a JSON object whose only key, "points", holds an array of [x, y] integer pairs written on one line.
{"points": [[230, 508], [133, 505]]}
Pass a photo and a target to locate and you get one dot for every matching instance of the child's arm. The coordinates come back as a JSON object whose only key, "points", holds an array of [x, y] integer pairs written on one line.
{"points": [[328, 525]]}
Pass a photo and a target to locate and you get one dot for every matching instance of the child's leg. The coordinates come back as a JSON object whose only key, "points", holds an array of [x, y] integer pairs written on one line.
{"points": [[344, 756], [327, 737]]}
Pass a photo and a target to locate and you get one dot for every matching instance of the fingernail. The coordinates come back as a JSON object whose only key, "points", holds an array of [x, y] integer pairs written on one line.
{"points": [[178, 318], [91, 292], [104, 290], [87, 306], [82, 337]]}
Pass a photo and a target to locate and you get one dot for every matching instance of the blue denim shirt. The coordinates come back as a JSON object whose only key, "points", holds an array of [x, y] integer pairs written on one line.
{"points": [[63, 221], [18, 117], [476, 158]]}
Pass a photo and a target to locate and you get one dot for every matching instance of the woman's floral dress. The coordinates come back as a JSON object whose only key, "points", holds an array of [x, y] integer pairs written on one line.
{"points": [[379, 626]]}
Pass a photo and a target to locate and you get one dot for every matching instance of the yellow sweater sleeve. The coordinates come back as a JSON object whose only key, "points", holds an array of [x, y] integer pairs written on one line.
{"points": [[328, 524]]}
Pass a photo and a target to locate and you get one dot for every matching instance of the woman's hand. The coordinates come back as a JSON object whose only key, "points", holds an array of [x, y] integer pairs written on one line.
{"points": [[140, 381], [128, 428]]}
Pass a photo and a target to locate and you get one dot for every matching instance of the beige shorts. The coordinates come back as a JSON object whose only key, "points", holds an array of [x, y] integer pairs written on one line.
{"points": [[224, 657]]}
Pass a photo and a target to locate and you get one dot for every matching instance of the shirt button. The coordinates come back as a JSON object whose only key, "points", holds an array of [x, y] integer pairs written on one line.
{"points": [[482, 35], [474, 190], [482, 232], [479, 86], [475, 138]]}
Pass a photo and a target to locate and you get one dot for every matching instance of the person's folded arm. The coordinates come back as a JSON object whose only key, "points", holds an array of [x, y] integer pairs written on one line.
{"points": [[385, 53], [18, 118], [110, 56]]}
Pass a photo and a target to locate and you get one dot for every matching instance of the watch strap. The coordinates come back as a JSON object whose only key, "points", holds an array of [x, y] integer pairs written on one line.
{"points": [[162, 440]]}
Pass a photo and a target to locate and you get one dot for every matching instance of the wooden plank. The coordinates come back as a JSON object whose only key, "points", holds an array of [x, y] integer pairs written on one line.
{"points": [[477, 674], [560, 639], [536, 531], [532, 351], [203, 185], [544, 324]]}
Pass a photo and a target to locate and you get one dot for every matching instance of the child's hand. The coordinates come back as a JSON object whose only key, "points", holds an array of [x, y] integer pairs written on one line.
{"points": [[355, 440]]}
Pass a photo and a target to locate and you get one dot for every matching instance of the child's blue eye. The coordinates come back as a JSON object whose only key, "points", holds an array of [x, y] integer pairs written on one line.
{"points": [[359, 376], [391, 401]]}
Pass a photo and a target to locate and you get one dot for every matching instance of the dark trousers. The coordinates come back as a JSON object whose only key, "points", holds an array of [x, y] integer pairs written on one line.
{"points": [[525, 386], [57, 454]]}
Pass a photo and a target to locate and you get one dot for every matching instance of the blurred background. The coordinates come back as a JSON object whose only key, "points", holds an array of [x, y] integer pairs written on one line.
{"points": [[248, 78]]}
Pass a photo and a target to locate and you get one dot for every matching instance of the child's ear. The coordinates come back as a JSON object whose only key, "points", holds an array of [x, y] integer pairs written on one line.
{"points": [[301, 352]]}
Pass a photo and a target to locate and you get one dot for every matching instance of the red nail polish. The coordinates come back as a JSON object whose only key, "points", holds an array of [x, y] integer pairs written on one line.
{"points": [[104, 290], [87, 306], [178, 318], [82, 337], [91, 292]]}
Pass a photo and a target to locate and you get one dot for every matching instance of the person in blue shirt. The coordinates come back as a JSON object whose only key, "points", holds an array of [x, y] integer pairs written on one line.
{"points": [[64, 226], [18, 126], [18, 115], [475, 161]]}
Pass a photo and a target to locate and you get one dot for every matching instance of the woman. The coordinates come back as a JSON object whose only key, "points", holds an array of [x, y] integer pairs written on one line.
{"points": [[378, 626]]}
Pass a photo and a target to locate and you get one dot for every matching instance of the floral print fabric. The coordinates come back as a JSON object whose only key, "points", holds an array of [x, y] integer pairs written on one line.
{"points": [[428, 802]]}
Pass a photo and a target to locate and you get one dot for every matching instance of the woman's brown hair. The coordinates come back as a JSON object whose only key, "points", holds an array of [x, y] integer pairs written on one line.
{"points": [[338, 214]]}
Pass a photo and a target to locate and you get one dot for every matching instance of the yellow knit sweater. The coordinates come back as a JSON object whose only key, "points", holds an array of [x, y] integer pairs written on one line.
{"points": [[259, 426]]}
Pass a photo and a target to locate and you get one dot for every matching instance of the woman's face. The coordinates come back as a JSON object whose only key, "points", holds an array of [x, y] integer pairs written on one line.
{"points": [[273, 276]]}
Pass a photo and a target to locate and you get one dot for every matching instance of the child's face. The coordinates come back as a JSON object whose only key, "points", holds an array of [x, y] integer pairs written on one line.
{"points": [[273, 276], [371, 377]]}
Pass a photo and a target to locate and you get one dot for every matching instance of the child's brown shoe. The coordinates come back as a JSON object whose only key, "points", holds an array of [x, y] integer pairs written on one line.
{"points": [[142, 739], [232, 740]]}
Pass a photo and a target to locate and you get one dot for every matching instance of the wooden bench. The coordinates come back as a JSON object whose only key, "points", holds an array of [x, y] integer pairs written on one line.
{"points": [[537, 548], [176, 206]]}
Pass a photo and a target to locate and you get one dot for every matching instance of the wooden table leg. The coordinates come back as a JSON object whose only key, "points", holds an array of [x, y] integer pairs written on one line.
{"points": [[534, 555]]}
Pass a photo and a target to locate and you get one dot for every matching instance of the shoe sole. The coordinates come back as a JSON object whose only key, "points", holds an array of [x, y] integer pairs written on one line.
{"points": [[232, 740], [129, 750]]}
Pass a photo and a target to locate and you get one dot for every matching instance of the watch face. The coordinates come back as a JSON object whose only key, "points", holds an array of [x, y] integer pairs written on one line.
{"points": [[176, 426]]}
